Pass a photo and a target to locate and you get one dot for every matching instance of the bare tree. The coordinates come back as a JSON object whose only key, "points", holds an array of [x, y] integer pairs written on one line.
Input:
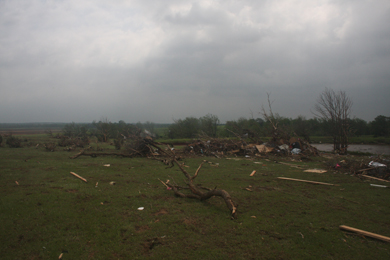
{"points": [[335, 109], [280, 134]]}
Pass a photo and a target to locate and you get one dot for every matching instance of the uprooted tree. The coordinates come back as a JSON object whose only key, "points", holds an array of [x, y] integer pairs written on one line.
{"points": [[334, 108]]}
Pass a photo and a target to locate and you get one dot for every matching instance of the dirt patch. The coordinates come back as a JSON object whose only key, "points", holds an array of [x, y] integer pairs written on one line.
{"points": [[140, 229], [161, 212], [72, 191], [189, 221], [149, 244]]}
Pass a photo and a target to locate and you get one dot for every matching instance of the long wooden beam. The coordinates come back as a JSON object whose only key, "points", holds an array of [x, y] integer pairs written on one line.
{"points": [[374, 178], [313, 182], [365, 233]]}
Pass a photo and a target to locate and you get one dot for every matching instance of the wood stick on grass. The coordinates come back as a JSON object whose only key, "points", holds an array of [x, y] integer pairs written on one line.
{"points": [[378, 179], [253, 173], [313, 182], [78, 176], [365, 233]]}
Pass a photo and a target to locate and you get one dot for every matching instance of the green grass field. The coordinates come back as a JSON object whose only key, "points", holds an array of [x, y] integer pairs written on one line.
{"points": [[49, 211]]}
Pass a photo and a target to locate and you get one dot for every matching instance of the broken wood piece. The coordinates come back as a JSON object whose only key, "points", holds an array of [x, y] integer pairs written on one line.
{"points": [[264, 149], [365, 233], [313, 182], [60, 257], [374, 178], [164, 184], [253, 173], [315, 170], [363, 170], [380, 186], [17, 183], [78, 176]]}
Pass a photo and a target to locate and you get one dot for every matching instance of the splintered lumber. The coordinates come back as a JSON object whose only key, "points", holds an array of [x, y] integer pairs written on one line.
{"points": [[374, 178], [253, 173], [264, 149], [78, 176], [365, 233], [313, 182], [315, 170]]}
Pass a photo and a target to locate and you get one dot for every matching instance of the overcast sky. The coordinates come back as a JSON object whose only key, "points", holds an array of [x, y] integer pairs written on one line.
{"points": [[153, 60]]}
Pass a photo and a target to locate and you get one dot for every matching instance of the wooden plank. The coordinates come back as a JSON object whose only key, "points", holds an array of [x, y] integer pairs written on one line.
{"points": [[253, 173], [362, 170], [313, 182], [78, 176], [365, 233], [374, 178], [315, 170]]}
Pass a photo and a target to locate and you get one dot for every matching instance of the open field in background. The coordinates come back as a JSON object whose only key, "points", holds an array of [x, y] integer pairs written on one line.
{"points": [[162, 133], [49, 211]]}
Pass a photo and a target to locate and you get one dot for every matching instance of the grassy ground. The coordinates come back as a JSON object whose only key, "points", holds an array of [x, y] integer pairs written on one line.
{"points": [[50, 211]]}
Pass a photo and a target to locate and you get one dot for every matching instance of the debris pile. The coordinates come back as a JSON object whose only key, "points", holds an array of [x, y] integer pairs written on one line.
{"points": [[219, 147], [368, 168], [223, 147]]}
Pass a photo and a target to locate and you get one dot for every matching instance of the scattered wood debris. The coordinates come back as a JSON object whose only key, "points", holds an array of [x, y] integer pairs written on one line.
{"points": [[364, 167]]}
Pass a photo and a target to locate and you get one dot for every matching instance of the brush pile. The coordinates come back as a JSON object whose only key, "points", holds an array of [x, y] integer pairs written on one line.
{"points": [[367, 167]]}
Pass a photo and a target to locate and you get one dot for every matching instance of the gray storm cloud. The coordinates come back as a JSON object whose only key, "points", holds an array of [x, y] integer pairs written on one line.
{"points": [[65, 61]]}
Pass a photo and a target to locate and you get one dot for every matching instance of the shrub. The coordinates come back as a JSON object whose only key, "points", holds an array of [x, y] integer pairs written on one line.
{"points": [[50, 147], [118, 143], [14, 142], [78, 142]]}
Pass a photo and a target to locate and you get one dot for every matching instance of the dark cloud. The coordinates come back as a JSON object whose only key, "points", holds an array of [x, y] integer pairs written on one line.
{"points": [[155, 61]]}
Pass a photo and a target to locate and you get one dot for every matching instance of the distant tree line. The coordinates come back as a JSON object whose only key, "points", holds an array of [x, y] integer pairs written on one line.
{"points": [[191, 127], [105, 129]]}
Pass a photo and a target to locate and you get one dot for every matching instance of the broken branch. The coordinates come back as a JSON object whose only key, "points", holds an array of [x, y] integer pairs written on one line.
{"points": [[197, 193]]}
